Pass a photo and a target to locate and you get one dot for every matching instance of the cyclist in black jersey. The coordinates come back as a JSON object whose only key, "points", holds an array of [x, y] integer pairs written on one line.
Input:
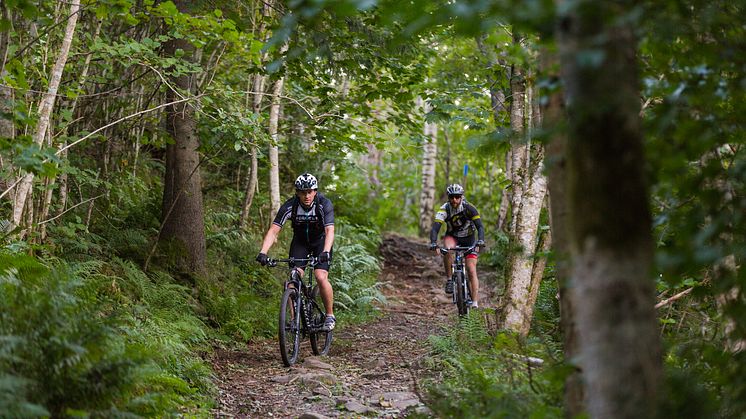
{"points": [[312, 218], [462, 221]]}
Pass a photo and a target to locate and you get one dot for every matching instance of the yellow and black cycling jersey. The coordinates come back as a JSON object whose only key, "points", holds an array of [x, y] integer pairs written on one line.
{"points": [[461, 221]]}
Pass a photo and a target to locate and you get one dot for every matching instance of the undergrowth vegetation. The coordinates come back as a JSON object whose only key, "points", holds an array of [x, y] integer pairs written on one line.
{"points": [[78, 340], [87, 331], [491, 375]]}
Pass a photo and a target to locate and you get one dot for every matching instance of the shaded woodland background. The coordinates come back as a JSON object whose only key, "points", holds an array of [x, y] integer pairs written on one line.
{"points": [[146, 145]]}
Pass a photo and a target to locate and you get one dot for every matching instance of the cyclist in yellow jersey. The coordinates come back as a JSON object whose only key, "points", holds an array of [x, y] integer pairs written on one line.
{"points": [[462, 222]]}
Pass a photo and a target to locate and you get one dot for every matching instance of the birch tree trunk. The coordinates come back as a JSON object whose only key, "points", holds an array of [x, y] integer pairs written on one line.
{"points": [[7, 126], [519, 149], [522, 285], [45, 109], [62, 178], [183, 212], [252, 179], [429, 158], [7, 103], [274, 161], [505, 199], [528, 189], [257, 87], [372, 162], [611, 245]]}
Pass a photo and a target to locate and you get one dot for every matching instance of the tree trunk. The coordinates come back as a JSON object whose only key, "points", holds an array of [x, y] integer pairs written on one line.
{"points": [[519, 149], [274, 159], [506, 198], [528, 189], [521, 289], [540, 262], [183, 213], [429, 159], [7, 125], [558, 220], [62, 178], [612, 289], [45, 109], [373, 165], [257, 87], [252, 179]]}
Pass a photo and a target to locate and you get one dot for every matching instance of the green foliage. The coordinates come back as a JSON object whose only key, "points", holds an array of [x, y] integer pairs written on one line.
{"points": [[694, 124], [545, 324], [490, 376], [355, 269], [62, 354]]}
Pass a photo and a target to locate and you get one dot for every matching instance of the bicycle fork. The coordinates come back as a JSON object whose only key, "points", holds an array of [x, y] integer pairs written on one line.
{"points": [[464, 285]]}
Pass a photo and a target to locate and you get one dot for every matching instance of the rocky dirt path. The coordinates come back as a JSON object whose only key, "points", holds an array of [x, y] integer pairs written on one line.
{"points": [[372, 369]]}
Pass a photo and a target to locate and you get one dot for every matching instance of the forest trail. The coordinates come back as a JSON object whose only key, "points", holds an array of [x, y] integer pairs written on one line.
{"points": [[372, 369]]}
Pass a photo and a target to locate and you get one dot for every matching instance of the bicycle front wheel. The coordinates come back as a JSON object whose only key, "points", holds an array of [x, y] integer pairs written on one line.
{"points": [[320, 341], [289, 327], [461, 303]]}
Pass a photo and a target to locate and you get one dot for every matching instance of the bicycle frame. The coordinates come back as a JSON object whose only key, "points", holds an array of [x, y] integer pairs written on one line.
{"points": [[460, 276], [306, 316], [306, 292]]}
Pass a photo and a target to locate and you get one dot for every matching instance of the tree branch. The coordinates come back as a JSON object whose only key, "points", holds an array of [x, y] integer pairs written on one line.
{"points": [[70, 209], [124, 119], [668, 301], [60, 151]]}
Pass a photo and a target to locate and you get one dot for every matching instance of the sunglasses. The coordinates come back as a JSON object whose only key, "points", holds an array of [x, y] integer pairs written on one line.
{"points": [[454, 196]]}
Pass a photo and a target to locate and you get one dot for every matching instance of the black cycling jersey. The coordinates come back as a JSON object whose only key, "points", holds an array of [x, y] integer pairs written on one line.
{"points": [[460, 222], [308, 224]]}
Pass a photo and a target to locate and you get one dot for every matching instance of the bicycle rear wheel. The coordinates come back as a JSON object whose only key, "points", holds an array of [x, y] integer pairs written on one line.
{"points": [[320, 341], [461, 303], [289, 327]]}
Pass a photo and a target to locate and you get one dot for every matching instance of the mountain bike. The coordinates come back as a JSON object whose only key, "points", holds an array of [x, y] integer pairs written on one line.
{"points": [[300, 313], [460, 277]]}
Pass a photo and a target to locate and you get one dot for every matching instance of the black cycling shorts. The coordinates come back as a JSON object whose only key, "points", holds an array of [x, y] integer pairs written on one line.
{"points": [[301, 249]]}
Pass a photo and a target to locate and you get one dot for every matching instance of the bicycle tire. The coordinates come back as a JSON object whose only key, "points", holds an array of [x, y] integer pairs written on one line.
{"points": [[289, 327], [320, 341], [461, 304]]}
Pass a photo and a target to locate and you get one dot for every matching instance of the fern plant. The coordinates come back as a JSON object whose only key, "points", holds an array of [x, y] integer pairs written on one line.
{"points": [[66, 350], [355, 269], [490, 376]]}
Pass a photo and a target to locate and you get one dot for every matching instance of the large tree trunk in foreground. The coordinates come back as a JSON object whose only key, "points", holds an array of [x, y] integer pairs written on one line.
{"points": [[558, 219], [183, 213], [610, 227], [45, 109]]}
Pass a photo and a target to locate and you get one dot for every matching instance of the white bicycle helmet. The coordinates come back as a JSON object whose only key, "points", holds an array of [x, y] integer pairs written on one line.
{"points": [[306, 182], [455, 189]]}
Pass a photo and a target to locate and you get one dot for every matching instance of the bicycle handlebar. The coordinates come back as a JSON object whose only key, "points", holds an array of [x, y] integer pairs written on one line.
{"points": [[273, 262], [465, 249]]}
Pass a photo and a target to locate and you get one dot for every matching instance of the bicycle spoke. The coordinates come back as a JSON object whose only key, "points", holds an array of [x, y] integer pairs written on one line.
{"points": [[289, 333]]}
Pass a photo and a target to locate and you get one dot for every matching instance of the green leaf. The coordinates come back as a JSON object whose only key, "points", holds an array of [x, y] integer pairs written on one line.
{"points": [[167, 9]]}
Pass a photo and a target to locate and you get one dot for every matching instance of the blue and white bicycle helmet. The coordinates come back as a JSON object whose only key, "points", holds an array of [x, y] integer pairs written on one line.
{"points": [[306, 182]]}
